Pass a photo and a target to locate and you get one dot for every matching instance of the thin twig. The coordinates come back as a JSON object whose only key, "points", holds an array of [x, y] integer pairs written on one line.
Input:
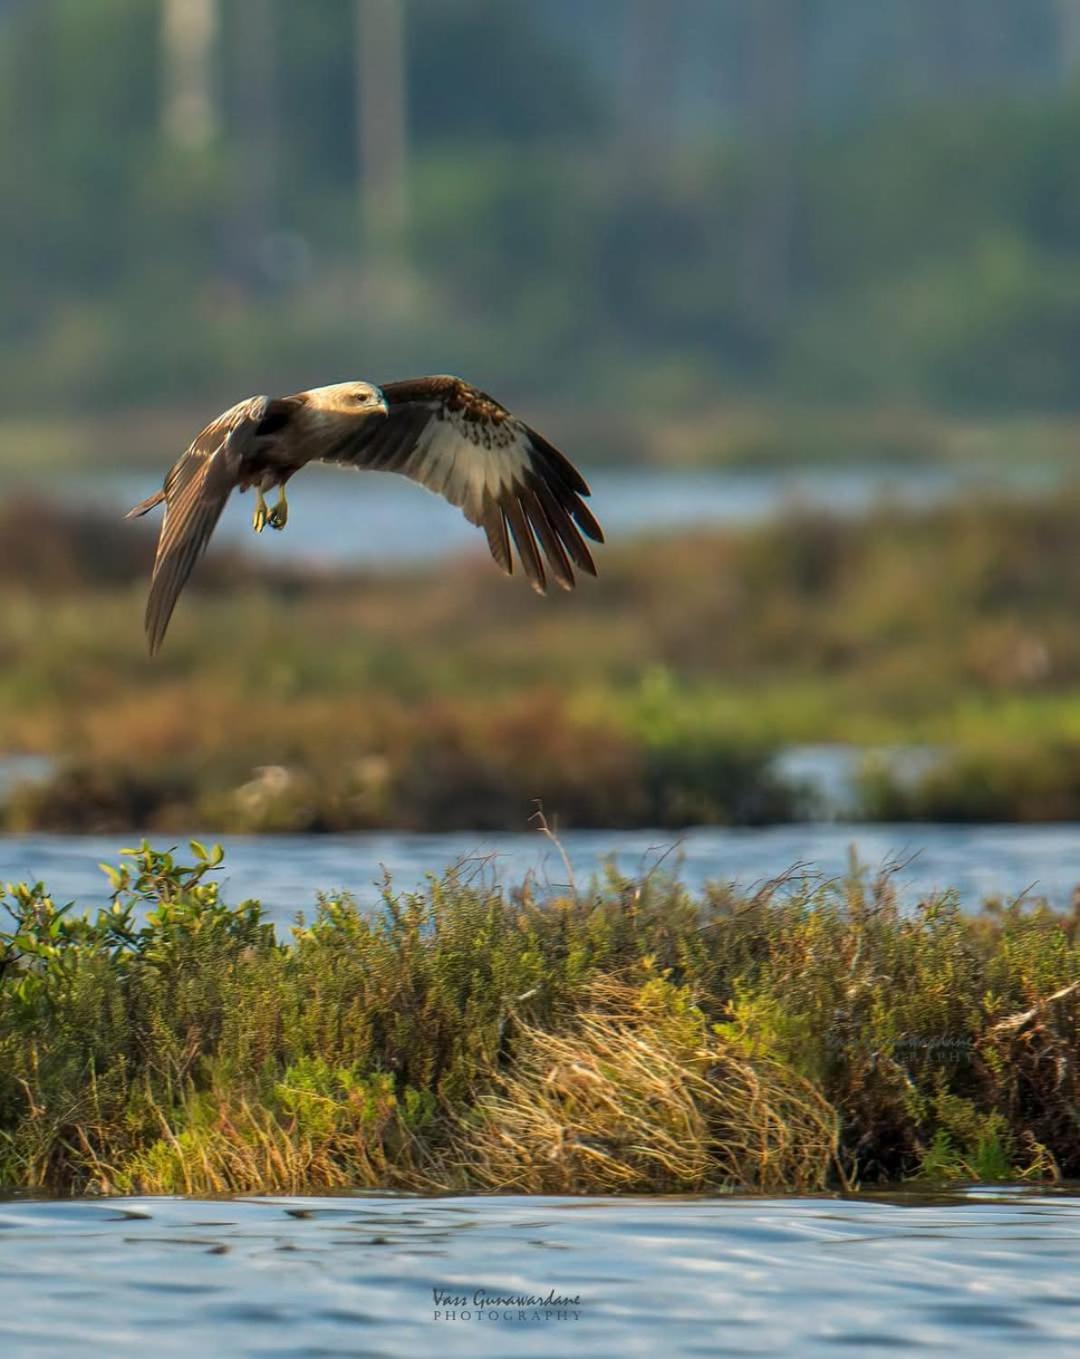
{"points": [[1015, 1022], [542, 826]]}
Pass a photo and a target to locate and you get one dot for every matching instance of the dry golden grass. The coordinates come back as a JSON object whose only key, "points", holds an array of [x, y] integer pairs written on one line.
{"points": [[638, 1094]]}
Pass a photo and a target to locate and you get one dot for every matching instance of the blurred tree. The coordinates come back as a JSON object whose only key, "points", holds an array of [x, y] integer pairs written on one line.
{"points": [[774, 47], [484, 70], [1068, 12], [188, 33], [381, 140], [649, 82], [828, 196], [252, 88]]}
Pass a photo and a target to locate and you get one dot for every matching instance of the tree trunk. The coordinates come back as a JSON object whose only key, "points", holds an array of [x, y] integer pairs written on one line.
{"points": [[189, 31], [1069, 29], [253, 103], [381, 136], [773, 106], [648, 81]]}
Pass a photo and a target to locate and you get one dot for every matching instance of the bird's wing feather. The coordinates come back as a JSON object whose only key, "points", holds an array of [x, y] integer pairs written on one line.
{"points": [[504, 476], [196, 490]]}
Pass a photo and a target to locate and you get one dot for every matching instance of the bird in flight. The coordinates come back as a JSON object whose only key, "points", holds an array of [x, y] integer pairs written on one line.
{"points": [[438, 431]]}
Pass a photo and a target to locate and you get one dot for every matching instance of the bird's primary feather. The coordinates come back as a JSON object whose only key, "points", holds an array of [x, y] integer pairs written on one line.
{"points": [[196, 490], [461, 444], [439, 431]]}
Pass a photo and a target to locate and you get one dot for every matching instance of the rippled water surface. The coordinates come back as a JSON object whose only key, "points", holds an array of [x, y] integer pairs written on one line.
{"points": [[286, 871], [988, 1272]]}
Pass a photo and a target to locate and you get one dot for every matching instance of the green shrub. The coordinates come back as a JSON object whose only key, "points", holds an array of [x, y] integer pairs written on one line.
{"points": [[627, 1035]]}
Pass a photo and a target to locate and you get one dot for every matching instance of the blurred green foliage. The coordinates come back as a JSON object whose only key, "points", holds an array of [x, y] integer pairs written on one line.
{"points": [[569, 229]]}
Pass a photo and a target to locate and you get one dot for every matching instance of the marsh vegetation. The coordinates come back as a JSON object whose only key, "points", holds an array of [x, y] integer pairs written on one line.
{"points": [[623, 1036], [446, 697]]}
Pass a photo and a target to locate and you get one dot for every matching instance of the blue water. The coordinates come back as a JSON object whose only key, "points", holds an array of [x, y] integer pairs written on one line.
{"points": [[286, 871], [376, 517], [988, 1272]]}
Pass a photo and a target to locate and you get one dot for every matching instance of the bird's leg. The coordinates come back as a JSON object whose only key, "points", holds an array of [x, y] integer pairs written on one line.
{"points": [[261, 517], [279, 515]]}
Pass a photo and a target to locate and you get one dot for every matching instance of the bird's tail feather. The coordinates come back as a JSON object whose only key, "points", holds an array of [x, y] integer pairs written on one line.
{"points": [[144, 505]]}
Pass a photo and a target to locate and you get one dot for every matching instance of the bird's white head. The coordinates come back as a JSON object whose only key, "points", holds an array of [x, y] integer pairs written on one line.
{"points": [[347, 398]]}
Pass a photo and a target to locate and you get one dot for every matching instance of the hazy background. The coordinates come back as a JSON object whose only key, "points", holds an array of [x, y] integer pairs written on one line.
{"points": [[657, 207], [751, 263]]}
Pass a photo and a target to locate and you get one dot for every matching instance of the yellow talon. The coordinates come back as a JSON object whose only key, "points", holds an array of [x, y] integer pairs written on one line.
{"points": [[261, 517], [279, 515]]}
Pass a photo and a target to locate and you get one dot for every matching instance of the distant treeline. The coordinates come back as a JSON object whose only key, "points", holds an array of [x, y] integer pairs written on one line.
{"points": [[652, 203]]}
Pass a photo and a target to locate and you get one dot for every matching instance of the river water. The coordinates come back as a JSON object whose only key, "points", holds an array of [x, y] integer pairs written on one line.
{"points": [[379, 518], [286, 871], [991, 1271]]}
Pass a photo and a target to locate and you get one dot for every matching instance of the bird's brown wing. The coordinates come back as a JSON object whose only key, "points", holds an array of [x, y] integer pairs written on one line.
{"points": [[196, 490], [507, 478]]}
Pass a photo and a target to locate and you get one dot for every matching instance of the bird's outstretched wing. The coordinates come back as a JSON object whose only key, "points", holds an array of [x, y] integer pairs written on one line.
{"points": [[507, 478], [195, 492]]}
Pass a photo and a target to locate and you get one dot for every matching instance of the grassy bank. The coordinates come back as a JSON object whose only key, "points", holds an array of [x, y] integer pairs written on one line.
{"points": [[625, 1037], [449, 697]]}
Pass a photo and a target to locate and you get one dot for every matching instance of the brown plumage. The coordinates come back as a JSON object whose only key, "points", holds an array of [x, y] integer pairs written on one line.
{"points": [[454, 440]]}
